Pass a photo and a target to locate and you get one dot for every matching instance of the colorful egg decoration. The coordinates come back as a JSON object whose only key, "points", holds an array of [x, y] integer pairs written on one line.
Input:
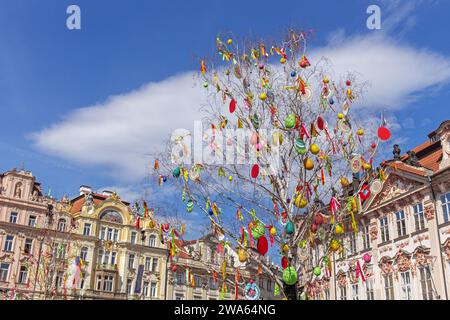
{"points": [[367, 258], [290, 228], [317, 271], [251, 291], [262, 245], [284, 262], [308, 163], [334, 245], [290, 276], [176, 172], [258, 231], [300, 146], [232, 106], [242, 255], [290, 121], [300, 202], [190, 206], [314, 148]]}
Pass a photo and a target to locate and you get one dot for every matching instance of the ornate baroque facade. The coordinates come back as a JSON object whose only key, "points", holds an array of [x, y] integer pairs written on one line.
{"points": [[403, 242]]}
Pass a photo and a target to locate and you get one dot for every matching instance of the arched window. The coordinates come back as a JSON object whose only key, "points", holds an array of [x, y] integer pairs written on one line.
{"points": [[111, 216], [61, 225], [84, 253], [152, 241]]}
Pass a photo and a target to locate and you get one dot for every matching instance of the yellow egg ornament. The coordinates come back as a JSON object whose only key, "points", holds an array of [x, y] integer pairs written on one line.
{"points": [[273, 231], [263, 96], [367, 166], [282, 60], [242, 254], [360, 132], [340, 116], [339, 229], [334, 245], [314, 148], [344, 182], [300, 202], [286, 248], [230, 178], [230, 41]]}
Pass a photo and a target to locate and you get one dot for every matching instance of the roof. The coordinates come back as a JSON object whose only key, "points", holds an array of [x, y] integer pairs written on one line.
{"points": [[78, 202]]}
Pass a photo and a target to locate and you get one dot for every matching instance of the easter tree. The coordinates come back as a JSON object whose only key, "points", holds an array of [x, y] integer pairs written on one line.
{"points": [[283, 137]]}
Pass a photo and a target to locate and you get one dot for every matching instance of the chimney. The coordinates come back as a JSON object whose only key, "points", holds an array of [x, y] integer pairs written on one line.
{"points": [[85, 190]]}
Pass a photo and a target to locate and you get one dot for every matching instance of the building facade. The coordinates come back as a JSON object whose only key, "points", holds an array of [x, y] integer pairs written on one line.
{"points": [[402, 247]]}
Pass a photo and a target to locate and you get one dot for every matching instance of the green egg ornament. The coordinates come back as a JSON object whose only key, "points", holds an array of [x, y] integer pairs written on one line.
{"points": [[290, 120], [290, 276], [205, 84], [258, 231], [176, 172], [290, 227], [300, 146], [190, 206], [317, 271]]}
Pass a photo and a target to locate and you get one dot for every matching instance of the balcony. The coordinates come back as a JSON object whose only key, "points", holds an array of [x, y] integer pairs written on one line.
{"points": [[106, 267]]}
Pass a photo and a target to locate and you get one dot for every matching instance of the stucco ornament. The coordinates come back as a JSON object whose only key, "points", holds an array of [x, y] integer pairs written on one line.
{"points": [[429, 212]]}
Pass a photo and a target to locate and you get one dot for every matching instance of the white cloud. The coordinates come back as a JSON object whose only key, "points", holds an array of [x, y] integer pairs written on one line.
{"points": [[121, 133]]}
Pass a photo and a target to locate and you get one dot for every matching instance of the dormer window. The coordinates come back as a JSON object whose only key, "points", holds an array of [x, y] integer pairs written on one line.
{"points": [[61, 225]]}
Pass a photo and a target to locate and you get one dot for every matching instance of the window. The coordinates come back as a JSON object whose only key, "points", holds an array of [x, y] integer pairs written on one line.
{"points": [[59, 279], [343, 293], [28, 245], [102, 233], [406, 285], [131, 261], [179, 296], [419, 220], [318, 296], [197, 297], [269, 284], [116, 235], [352, 240], [198, 281], [445, 201], [212, 284], [155, 264], [180, 278], [148, 263], [388, 287], [355, 291], [366, 237], [113, 258], [425, 283], [108, 283], [133, 237], [61, 251], [401, 223], [87, 229], [84, 253], [369, 289], [13, 217], [145, 289], [99, 282], [109, 234], [4, 268], [61, 225], [261, 283], [106, 258], [384, 229], [153, 289], [152, 241], [129, 284], [32, 221], [23, 275], [8, 243], [100, 256]]}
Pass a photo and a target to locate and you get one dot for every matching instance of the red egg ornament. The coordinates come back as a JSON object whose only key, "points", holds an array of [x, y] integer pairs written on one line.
{"points": [[174, 268], [284, 262], [232, 106], [255, 171], [320, 123], [262, 245], [384, 133], [318, 219], [314, 228]]}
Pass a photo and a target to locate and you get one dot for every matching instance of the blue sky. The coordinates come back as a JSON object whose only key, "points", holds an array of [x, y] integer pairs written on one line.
{"points": [[61, 90]]}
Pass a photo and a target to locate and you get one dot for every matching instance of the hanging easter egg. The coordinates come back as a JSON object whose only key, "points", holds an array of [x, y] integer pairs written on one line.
{"points": [[284, 262], [254, 139], [340, 116], [334, 245], [230, 41], [211, 212], [273, 231], [348, 83], [277, 138], [355, 163], [290, 228], [318, 219], [384, 133], [339, 229], [314, 148], [230, 178], [242, 255], [255, 121], [251, 291], [320, 123], [326, 80], [151, 224], [232, 106], [255, 171], [176, 172], [367, 166], [290, 121], [308, 163], [290, 276], [285, 248], [367, 258], [190, 206], [262, 245], [258, 231], [314, 228], [282, 60], [174, 268], [344, 182], [263, 96], [300, 202], [164, 178], [300, 146], [293, 74], [331, 101], [360, 132], [317, 271]]}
